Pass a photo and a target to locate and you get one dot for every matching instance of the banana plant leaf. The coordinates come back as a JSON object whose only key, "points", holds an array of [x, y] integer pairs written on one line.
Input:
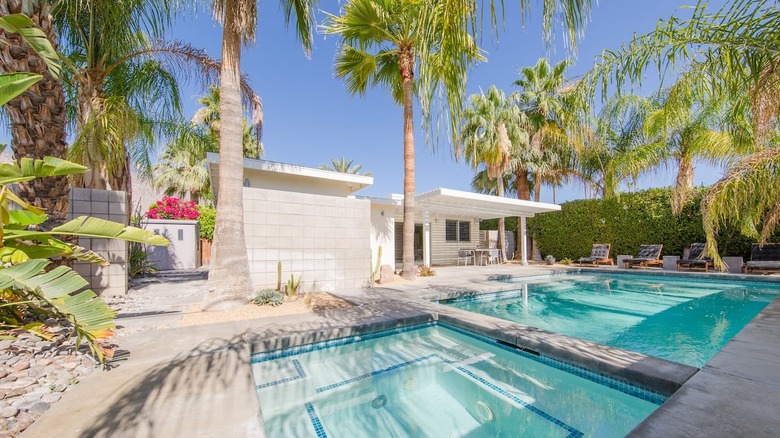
{"points": [[28, 169], [35, 37], [18, 251], [14, 84], [85, 226], [62, 289]]}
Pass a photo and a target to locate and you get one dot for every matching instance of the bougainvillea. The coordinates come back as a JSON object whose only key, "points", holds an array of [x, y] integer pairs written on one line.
{"points": [[173, 208]]}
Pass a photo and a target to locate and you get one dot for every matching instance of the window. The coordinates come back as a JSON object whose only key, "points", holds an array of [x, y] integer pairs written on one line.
{"points": [[451, 231], [457, 231], [464, 231]]}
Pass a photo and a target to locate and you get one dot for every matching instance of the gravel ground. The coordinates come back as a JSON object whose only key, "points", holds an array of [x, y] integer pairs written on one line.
{"points": [[34, 372]]}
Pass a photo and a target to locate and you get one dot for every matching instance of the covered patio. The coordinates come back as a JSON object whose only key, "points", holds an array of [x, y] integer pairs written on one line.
{"points": [[434, 205]]}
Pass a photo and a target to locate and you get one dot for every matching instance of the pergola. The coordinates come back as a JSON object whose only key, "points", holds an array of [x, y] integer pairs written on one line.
{"points": [[456, 203]]}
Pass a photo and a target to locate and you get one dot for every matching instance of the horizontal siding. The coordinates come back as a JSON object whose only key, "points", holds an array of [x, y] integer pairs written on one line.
{"points": [[446, 253]]}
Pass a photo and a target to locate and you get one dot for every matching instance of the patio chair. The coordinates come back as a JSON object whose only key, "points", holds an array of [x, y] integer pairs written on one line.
{"points": [[465, 255], [648, 255], [599, 254], [764, 258], [696, 260]]}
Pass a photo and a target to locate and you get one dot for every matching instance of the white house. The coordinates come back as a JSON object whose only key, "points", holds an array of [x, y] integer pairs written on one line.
{"points": [[311, 221]]}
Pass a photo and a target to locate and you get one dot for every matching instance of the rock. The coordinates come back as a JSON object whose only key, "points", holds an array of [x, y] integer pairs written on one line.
{"points": [[51, 398], [35, 371], [18, 375], [59, 386], [5, 344], [32, 397], [17, 384], [21, 365], [39, 407], [44, 345], [8, 411], [386, 274], [70, 365], [43, 362], [12, 360]]}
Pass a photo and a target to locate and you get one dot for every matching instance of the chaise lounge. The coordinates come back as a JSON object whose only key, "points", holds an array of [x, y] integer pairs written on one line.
{"points": [[763, 259], [649, 255], [599, 254], [696, 260]]}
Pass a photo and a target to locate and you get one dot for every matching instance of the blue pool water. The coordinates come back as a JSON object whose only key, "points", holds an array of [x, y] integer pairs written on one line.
{"points": [[433, 381], [683, 319]]}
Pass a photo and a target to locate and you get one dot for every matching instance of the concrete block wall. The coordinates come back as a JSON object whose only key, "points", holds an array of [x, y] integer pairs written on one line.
{"points": [[326, 239], [110, 205]]}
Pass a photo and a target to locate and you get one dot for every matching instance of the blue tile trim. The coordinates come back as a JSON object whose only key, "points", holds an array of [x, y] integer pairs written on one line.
{"points": [[315, 421], [337, 342], [585, 373], [298, 368], [377, 372]]}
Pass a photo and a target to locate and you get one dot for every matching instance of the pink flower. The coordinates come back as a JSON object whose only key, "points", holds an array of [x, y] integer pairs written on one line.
{"points": [[173, 208]]}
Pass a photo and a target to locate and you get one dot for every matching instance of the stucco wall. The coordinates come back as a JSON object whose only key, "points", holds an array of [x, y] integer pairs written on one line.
{"points": [[184, 250], [326, 239], [382, 233]]}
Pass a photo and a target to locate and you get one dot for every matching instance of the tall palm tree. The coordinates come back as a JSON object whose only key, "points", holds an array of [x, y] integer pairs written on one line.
{"points": [[344, 166], [385, 43], [491, 130], [38, 116], [543, 98], [208, 116], [230, 284], [123, 82]]}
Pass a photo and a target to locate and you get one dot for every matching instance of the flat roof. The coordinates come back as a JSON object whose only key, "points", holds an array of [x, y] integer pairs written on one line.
{"points": [[459, 203], [352, 181]]}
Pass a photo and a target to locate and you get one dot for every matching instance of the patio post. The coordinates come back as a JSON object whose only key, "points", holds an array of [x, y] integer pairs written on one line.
{"points": [[523, 241], [426, 239]]}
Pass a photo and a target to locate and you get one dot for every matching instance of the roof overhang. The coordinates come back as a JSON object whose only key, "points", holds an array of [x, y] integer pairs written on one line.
{"points": [[304, 175], [456, 203]]}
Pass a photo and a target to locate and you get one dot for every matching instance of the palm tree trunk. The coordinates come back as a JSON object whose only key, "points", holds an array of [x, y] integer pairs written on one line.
{"points": [[501, 221], [537, 186], [37, 117], [407, 76], [684, 183], [523, 184], [230, 284]]}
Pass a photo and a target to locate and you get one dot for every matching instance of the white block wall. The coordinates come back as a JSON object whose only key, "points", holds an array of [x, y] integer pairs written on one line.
{"points": [[326, 239]]}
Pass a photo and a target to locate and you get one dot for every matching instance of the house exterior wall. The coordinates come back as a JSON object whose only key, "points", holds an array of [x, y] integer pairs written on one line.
{"points": [[325, 239], [110, 205], [382, 234], [291, 183], [184, 250], [446, 253]]}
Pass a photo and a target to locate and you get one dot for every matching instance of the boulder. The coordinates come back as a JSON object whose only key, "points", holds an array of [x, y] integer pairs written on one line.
{"points": [[386, 274]]}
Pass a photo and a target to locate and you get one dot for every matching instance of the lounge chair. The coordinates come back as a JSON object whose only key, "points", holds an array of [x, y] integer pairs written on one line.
{"points": [[696, 259], [599, 254], [763, 258], [649, 255]]}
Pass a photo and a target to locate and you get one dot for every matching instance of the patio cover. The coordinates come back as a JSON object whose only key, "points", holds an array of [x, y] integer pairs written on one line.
{"points": [[456, 203]]}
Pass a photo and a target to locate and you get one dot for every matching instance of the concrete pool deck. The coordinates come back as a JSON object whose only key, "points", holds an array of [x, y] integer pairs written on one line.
{"points": [[196, 381]]}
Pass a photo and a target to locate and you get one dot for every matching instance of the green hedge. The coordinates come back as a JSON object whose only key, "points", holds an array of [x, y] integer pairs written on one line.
{"points": [[625, 223], [207, 218]]}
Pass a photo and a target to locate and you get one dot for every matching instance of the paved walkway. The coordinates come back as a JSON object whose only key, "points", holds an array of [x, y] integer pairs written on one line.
{"points": [[195, 381]]}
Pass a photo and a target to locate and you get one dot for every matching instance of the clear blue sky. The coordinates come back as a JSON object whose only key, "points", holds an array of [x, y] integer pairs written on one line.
{"points": [[310, 118]]}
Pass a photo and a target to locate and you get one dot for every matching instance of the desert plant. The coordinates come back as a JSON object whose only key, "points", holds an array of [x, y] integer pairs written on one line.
{"points": [[426, 271], [565, 261], [377, 266], [269, 297], [550, 259], [279, 275], [293, 285], [139, 264]]}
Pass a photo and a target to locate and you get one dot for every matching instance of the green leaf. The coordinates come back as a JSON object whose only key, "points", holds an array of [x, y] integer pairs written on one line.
{"points": [[35, 37], [25, 218], [14, 84], [29, 169], [93, 227]]}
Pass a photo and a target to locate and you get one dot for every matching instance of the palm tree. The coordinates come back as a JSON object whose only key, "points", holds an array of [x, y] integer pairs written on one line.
{"points": [[38, 116], [681, 130], [344, 166], [230, 284], [544, 100], [123, 83], [384, 43], [491, 130], [733, 51], [182, 166]]}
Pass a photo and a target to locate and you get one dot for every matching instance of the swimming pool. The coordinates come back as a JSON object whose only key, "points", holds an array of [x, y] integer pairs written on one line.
{"points": [[684, 319], [437, 381]]}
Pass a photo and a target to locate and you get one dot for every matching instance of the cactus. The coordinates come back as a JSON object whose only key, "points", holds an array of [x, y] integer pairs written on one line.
{"points": [[279, 276], [377, 266], [292, 285]]}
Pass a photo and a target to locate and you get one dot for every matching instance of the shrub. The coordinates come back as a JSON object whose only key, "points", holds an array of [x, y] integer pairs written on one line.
{"points": [[626, 222], [207, 219], [173, 208], [269, 297]]}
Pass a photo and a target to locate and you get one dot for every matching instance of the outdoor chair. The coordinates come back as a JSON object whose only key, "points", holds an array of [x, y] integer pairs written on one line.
{"points": [[763, 258], [465, 255], [696, 260], [599, 254], [494, 256], [648, 255]]}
